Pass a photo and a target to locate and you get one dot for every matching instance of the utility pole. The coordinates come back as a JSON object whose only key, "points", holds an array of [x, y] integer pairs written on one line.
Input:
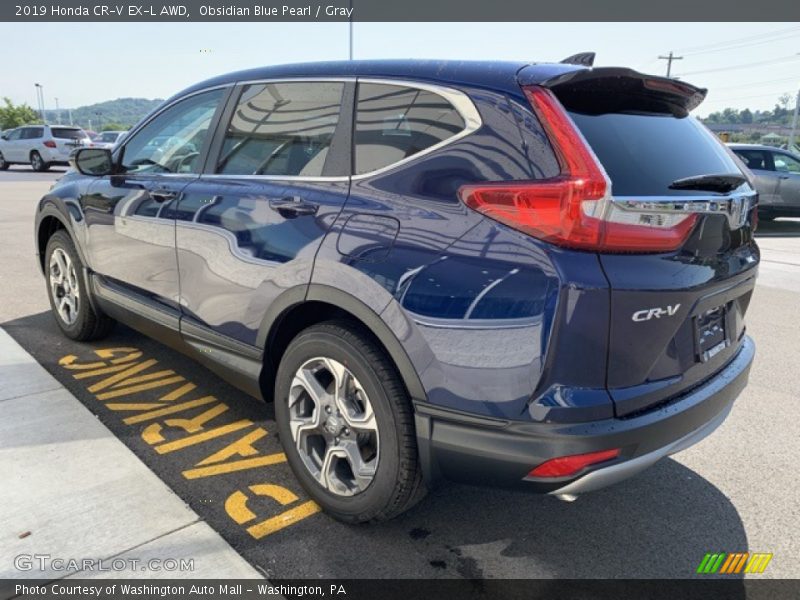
{"points": [[790, 145], [351, 30], [669, 58]]}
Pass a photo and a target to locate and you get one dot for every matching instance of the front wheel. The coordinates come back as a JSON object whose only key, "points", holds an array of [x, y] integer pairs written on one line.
{"points": [[37, 162], [3, 164], [346, 424], [69, 296]]}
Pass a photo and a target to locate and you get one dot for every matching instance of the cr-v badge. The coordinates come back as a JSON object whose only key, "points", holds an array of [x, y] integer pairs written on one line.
{"points": [[650, 313]]}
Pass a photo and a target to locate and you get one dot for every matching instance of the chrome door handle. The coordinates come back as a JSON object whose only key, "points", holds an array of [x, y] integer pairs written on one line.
{"points": [[163, 195], [293, 206]]}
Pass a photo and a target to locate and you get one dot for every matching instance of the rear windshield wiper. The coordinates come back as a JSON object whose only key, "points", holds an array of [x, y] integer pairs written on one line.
{"points": [[709, 183]]}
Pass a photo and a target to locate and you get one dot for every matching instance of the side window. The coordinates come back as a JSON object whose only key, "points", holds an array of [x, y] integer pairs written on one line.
{"points": [[786, 164], [33, 133], [395, 122], [171, 143], [754, 159], [282, 129], [15, 135]]}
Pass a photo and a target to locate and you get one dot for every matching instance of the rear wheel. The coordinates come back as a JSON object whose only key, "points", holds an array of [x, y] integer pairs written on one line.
{"points": [[37, 162], [69, 296], [3, 164], [346, 424]]}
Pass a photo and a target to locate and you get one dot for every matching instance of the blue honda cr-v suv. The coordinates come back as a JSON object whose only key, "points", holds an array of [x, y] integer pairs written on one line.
{"points": [[515, 274]]}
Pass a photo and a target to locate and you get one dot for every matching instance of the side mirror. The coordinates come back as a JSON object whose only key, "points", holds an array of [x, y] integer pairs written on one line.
{"points": [[4, 136], [93, 161]]}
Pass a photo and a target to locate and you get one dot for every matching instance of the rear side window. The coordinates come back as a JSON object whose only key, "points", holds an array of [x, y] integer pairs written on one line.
{"points": [[32, 133], [395, 122], [644, 153], [68, 133], [282, 129]]}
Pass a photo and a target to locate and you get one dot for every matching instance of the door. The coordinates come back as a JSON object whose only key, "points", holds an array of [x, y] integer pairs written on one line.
{"points": [[767, 180], [11, 149], [249, 228], [131, 231], [787, 168]]}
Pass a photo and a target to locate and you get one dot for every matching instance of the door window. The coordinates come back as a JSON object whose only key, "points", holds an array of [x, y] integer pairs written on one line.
{"points": [[754, 159], [14, 135], [395, 122], [786, 163], [172, 142], [282, 129], [32, 133]]}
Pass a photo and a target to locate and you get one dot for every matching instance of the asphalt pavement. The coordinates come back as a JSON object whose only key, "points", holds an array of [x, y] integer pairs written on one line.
{"points": [[735, 491]]}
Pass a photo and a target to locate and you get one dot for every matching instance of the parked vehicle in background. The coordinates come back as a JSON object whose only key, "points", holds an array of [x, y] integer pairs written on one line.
{"points": [[41, 146], [777, 177], [528, 275], [108, 139]]}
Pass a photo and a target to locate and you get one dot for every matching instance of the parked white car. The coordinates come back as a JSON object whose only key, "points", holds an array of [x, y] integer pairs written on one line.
{"points": [[108, 139], [40, 146]]}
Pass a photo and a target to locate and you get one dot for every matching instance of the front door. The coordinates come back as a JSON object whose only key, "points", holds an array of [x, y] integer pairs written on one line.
{"points": [[131, 228], [788, 169]]}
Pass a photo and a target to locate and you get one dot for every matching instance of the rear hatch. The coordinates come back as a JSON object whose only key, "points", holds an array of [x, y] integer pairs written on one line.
{"points": [[677, 310], [68, 139]]}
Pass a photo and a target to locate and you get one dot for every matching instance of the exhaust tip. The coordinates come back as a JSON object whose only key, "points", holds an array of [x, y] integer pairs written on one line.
{"points": [[567, 497]]}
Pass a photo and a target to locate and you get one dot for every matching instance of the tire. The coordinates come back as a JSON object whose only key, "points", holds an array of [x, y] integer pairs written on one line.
{"points": [[37, 162], [388, 455], [77, 317], [3, 164]]}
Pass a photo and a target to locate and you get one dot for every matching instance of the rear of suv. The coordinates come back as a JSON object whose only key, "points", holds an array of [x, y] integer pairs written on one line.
{"points": [[513, 274], [41, 146]]}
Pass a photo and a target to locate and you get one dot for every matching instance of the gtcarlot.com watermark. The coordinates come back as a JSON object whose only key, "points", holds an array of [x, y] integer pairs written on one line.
{"points": [[48, 562]]}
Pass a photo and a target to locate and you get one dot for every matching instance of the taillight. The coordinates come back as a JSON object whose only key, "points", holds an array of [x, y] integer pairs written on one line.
{"points": [[574, 209], [563, 466], [50, 143]]}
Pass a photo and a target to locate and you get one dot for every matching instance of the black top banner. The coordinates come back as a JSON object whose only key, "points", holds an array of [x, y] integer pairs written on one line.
{"points": [[396, 10]]}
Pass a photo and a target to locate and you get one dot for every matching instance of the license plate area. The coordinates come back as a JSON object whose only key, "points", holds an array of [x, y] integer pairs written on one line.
{"points": [[711, 333]]}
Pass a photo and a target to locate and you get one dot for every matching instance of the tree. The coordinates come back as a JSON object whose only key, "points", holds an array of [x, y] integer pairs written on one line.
{"points": [[13, 115], [113, 126], [746, 116]]}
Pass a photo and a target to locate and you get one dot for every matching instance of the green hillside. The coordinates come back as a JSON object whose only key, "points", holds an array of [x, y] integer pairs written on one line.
{"points": [[124, 112]]}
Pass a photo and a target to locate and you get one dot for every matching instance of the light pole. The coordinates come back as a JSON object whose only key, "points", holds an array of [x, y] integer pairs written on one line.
{"points": [[40, 100], [58, 112]]}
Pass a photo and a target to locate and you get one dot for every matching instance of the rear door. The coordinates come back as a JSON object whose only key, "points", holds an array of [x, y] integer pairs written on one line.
{"points": [[767, 179], [787, 168], [676, 317], [250, 226]]}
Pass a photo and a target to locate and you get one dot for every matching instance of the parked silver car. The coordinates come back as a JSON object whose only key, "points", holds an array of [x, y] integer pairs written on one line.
{"points": [[108, 139], [777, 174], [40, 146]]}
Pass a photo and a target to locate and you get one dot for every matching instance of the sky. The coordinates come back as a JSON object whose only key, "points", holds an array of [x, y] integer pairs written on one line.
{"points": [[744, 65]]}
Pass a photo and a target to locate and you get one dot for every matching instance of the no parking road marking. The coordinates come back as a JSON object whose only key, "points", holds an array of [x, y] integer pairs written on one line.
{"points": [[117, 375]]}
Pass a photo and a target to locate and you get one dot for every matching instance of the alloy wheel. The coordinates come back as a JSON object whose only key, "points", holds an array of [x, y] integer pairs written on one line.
{"points": [[333, 426], [64, 286]]}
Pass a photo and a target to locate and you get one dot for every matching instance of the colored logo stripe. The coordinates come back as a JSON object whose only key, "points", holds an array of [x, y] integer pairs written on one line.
{"points": [[728, 564]]}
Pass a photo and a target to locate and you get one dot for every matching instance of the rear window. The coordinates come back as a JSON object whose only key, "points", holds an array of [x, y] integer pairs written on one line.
{"points": [[68, 133], [644, 154], [395, 122]]}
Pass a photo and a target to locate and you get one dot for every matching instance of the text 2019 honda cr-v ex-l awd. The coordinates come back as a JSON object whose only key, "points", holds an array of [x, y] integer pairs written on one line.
{"points": [[532, 275]]}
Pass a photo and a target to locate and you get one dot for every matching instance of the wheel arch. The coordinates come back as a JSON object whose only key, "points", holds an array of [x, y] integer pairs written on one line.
{"points": [[300, 307]]}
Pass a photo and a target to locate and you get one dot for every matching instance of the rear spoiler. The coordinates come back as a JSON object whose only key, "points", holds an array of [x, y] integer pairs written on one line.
{"points": [[614, 89]]}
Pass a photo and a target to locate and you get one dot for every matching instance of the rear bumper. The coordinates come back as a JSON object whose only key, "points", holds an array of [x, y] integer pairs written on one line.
{"points": [[498, 452]]}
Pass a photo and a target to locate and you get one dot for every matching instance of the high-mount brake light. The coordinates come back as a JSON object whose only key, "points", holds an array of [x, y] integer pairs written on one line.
{"points": [[574, 209]]}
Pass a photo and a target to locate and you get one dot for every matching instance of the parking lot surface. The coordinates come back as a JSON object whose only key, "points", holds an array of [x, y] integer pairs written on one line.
{"points": [[218, 450]]}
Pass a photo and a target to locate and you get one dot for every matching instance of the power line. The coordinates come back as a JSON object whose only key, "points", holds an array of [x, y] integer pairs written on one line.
{"points": [[744, 65], [730, 87], [745, 45], [737, 40]]}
